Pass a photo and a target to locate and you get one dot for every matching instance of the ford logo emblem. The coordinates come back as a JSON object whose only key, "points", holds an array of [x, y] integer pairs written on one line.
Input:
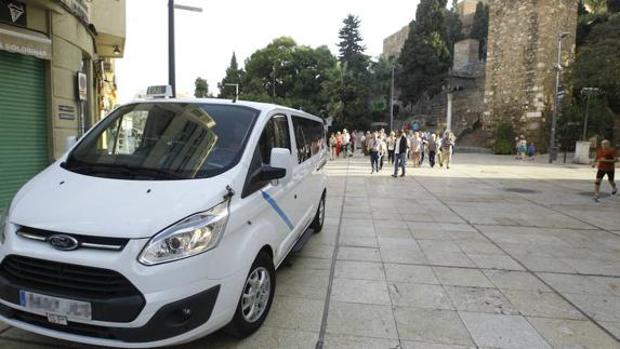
{"points": [[63, 242]]}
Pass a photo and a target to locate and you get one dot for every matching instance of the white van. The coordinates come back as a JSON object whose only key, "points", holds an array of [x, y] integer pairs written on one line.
{"points": [[163, 224]]}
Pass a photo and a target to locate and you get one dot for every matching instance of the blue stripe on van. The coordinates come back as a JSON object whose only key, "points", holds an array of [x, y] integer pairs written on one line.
{"points": [[278, 210]]}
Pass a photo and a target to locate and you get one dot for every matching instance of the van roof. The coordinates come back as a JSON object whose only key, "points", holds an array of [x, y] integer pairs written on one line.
{"points": [[263, 107]]}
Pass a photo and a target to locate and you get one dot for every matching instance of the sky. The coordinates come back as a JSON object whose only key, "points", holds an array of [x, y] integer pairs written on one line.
{"points": [[205, 41]]}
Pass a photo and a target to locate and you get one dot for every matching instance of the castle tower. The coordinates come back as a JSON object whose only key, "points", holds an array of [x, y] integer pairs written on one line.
{"points": [[520, 71]]}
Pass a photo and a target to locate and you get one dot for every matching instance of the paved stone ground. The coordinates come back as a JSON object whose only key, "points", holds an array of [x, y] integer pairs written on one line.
{"points": [[493, 253]]}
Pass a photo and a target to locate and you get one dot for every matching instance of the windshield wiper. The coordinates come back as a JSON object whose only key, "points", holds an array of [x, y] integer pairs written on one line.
{"points": [[125, 171]]}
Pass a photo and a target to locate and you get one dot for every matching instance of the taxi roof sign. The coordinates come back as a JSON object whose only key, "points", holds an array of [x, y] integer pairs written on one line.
{"points": [[160, 91]]}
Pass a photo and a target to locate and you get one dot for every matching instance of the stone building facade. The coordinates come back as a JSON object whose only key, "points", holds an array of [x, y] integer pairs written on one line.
{"points": [[393, 44], [521, 59], [54, 65], [466, 10]]}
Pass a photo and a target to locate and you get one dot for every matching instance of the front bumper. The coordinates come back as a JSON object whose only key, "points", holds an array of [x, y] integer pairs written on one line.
{"points": [[210, 287], [170, 321]]}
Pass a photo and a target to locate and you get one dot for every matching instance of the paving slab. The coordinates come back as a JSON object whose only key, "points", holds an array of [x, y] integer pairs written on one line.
{"points": [[562, 333], [375, 321], [503, 331], [432, 326]]}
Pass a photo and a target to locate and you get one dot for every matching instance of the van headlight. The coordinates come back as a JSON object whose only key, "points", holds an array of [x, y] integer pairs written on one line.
{"points": [[194, 235]]}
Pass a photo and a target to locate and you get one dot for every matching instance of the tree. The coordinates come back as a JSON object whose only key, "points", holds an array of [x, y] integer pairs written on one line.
{"points": [[350, 46], [425, 57], [454, 28], [597, 6], [597, 63], [234, 75], [480, 28], [202, 88], [613, 6], [291, 75]]}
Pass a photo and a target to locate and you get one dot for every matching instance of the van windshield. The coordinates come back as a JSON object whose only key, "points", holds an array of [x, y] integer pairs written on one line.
{"points": [[164, 141]]}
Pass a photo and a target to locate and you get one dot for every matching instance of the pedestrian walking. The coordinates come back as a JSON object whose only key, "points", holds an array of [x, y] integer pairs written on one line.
{"points": [[382, 151], [447, 143], [374, 148], [400, 154], [432, 149], [353, 142], [416, 149], [606, 158], [531, 151], [332, 146], [391, 144], [522, 148], [346, 140]]}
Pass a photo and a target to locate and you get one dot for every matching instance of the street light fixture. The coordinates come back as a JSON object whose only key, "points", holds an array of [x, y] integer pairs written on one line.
{"points": [[171, 53], [554, 117]]}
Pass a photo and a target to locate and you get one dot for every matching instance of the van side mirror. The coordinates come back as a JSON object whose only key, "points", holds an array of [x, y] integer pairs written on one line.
{"points": [[268, 173], [281, 158]]}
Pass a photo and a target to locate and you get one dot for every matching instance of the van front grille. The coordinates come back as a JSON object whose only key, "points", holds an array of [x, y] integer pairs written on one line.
{"points": [[66, 279]]}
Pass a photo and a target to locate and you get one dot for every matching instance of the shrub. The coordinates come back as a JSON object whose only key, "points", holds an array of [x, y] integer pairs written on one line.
{"points": [[504, 139]]}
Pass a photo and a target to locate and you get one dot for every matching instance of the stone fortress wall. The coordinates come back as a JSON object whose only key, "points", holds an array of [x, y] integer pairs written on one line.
{"points": [[520, 70]]}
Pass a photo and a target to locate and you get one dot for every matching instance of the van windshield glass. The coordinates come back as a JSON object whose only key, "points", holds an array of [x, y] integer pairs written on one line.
{"points": [[164, 141]]}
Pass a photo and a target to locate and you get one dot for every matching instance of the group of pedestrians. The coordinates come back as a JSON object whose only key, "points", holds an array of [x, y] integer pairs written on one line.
{"points": [[525, 150], [343, 143], [396, 148]]}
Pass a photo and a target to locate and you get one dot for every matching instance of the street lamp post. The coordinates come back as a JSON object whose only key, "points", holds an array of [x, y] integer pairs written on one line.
{"points": [[236, 90], [171, 50], [588, 91], [554, 117], [392, 100]]}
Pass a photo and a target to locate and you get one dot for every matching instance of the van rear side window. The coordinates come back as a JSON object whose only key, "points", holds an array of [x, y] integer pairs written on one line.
{"points": [[309, 137]]}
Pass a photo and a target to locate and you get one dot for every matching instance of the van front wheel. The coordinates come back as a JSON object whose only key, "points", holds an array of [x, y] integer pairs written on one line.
{"points": [[256, 298], [319, 218]]}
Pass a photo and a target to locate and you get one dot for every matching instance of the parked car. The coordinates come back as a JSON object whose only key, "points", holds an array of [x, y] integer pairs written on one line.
{"points": [[164, 223]]}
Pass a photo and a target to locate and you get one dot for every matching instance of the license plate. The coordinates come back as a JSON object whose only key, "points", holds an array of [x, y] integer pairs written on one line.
{"points": [[57, 310]]}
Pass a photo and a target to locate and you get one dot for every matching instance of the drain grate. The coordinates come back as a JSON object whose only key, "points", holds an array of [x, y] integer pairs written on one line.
{"points": [[522, 190]]}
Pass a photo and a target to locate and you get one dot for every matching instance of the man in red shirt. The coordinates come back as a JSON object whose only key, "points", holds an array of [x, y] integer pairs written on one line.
{"points": [[606, 157]]}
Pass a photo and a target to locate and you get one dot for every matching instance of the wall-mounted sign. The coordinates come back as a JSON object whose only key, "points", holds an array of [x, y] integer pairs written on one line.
{"points": [[25, 42], [13, 12], [82, 84], [66, 112]]}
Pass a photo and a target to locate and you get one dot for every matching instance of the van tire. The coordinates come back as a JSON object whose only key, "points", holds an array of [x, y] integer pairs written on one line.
{"points": [[319, 217], [240, 326]]}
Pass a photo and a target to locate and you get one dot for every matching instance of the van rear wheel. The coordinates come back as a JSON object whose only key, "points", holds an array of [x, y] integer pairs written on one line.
{"points": [[319, 218], [256, 298]]}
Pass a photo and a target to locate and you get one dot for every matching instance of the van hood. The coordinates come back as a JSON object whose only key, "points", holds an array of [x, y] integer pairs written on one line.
{"points": [[62, 201]]}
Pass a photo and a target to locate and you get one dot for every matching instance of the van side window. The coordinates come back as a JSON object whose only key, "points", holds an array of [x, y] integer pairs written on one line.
{"points": [[309, 137], [275, 135]]}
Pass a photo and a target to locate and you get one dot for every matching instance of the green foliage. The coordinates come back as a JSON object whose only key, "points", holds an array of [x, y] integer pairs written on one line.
{"points": [[597, 63], [234, 75], [291, 75], [350, 46], [596, 6], [202, 88], [570, 125], [480, 28], [504, 139], [454, 30], [425, 57]]}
